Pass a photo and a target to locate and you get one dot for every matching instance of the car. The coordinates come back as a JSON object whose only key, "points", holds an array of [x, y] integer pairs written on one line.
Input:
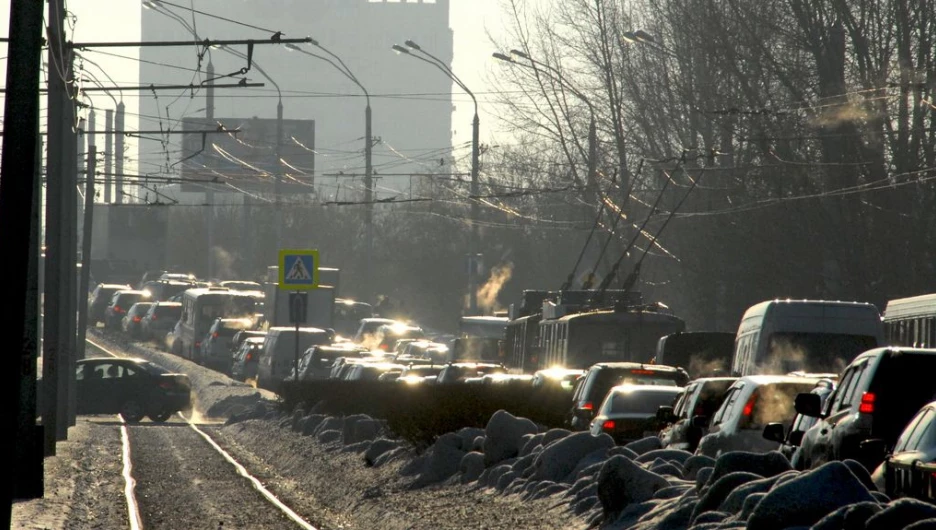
{"points": [[424, 349], [100, 299], [280, 352], [365, 371], [159, 320], [347, 315], [133, 388], [701, 399], [131, 322], [415, 374], [387, 335], [519, 380], [245, 359], [877, 395], [120, 303], [368, 327], [243, 335], [557, 378], [591, 388], [150, 276], [749, 404], [792, 439], [216, 346], [629, 412], [242, 285], [178, 276], [166, 289], [910, 469], [459, 372]]}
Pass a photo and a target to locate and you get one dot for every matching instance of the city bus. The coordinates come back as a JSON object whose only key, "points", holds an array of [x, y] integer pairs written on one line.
{"points": [[200, 308], [911, 321], [812, 336], [629, 333]]}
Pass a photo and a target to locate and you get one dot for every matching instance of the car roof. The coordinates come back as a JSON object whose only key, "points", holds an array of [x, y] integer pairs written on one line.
{"points": [[631, 365], [122, 286], [167, 303], [647, 389], [133, 291], [773, 379]]}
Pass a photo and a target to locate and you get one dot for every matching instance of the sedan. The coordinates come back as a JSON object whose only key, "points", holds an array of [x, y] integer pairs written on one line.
{"points": [[132, 321], [133, 388], [629, 412]]}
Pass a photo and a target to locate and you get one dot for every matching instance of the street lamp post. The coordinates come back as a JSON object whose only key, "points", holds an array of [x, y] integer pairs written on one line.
{"points": [[340, 65], [475, 155]]}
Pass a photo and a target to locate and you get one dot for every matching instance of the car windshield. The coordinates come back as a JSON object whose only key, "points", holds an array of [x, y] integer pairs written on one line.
{"points": [[813, 352], [637, 402], [774, 402]]}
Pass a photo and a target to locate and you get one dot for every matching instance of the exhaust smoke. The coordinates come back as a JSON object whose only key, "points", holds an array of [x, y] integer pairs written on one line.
{"points": [[487, 293]]}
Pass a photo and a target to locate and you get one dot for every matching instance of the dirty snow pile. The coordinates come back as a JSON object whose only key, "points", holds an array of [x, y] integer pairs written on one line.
{"points": [[639, 485]]}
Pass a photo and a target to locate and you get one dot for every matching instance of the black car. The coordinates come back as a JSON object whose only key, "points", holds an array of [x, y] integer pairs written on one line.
{"points": [[100, 299], [591, 388], [133, 388], [120, 303]]}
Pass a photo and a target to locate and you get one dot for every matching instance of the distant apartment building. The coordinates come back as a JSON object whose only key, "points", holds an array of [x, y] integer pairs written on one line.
{"points": [[411, 101]]}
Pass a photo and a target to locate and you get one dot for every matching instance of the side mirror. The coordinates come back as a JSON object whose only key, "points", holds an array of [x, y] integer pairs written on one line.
{"points": [[774, 432], [796, 438], [700, 422], [665, 414], [808, 405], [873, 449]]}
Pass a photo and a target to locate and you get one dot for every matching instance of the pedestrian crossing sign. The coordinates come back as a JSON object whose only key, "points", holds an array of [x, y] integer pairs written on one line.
{"points": [[298, 269]]}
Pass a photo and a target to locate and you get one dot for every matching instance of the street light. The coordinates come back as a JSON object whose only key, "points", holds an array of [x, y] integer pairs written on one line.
{"points": [[475, 124], [340, 65], [642, 37]]}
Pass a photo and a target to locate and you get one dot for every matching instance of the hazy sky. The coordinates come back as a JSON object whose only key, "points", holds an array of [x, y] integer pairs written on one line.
{"points": [[119, 20]]}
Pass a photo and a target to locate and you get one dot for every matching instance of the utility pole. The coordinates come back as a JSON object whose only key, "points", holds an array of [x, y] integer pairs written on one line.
{"points": [[19, 182], [118, 153], [108, 154], [53, 360], [209, 190], [369, 294], [86, 244]]}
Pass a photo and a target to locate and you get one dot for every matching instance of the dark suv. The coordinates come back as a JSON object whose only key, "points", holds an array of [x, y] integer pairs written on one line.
{"points": [[100, 299], [877, 394], [592, 387]]}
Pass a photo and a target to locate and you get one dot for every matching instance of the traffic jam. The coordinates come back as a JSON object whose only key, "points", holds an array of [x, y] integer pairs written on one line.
{"points": [[656, 426]]}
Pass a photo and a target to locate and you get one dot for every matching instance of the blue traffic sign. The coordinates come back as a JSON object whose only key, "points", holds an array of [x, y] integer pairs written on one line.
{"points": [[298, 269]]}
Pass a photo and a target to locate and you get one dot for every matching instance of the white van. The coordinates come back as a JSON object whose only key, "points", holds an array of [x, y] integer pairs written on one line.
{"points": [[811, 336], [279, 352]]}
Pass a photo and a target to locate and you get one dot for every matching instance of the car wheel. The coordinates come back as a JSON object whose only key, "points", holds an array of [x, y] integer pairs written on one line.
{"points": [[160, 417], [132, 411]]}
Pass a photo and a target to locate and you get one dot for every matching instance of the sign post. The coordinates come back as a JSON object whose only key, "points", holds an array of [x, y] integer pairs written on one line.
{"points": [[298, 272]]}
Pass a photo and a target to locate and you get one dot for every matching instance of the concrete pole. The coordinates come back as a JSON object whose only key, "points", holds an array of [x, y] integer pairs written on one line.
{"points": [[119, 150], [473, 241], [86, 247], [108, 155], [368, 295]]}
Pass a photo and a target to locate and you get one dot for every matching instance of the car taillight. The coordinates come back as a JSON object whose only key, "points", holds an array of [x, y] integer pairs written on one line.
{"points": [[608, 425], [384, 347], [117, 309], [867, 403], [214, 335], [642, 372], [250, 356], [749, 406], [588, 405], [137, 319]]}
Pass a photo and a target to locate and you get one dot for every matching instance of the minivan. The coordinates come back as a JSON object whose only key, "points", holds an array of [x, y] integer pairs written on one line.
{"points": [[280, 352]]}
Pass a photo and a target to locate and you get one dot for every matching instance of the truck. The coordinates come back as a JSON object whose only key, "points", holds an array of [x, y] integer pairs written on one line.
{"points": [[319, 306]]}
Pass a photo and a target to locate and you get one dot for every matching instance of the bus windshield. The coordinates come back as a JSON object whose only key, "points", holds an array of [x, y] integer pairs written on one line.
{"points": [[211, 306], [813, 352]]}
